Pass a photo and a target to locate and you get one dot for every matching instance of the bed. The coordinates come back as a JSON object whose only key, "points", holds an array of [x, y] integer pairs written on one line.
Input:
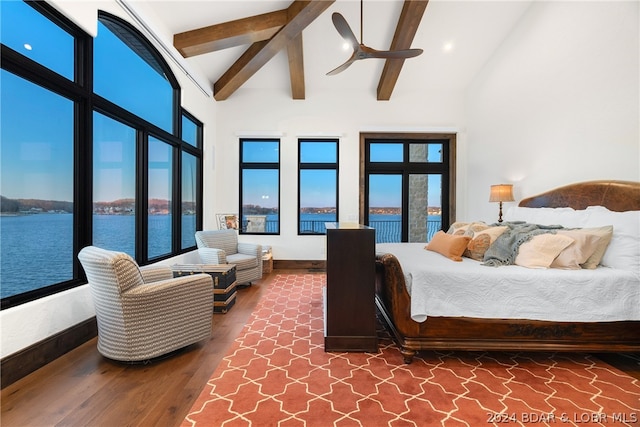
{"points": [[517, 325]]}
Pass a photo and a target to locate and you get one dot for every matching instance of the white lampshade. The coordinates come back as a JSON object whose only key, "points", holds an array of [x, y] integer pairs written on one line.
{"points": [[501, 193]]}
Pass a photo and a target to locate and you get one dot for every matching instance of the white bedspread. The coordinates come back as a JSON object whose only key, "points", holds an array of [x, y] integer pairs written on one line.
{"points": [[441, 287]]}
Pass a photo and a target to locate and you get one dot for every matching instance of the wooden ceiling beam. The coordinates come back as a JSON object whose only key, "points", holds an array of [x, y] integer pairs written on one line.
{"points": [[296, 67], [230, 34], [299, 15], [410, 17]]}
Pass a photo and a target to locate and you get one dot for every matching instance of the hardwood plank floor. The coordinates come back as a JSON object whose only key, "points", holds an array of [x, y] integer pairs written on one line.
{"points": [[82, 388]]}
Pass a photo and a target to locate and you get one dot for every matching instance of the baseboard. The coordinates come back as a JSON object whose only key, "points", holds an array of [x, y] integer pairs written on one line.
{"points": [[284, 264], [26, 361]]}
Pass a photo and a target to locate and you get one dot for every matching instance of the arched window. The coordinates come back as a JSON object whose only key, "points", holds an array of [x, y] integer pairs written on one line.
{"points": [[163, 143], [129, 72]]}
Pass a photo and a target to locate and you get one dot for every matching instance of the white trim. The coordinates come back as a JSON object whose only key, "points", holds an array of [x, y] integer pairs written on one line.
{"points": [[338, 135], [409, 129], [260, 133]]}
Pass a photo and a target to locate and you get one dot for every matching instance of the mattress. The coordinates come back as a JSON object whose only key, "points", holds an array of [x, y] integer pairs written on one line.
{"points": [[441, 287]]}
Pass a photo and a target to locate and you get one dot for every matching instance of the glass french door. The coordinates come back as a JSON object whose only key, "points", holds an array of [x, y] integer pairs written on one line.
{"points": [[406, 192]]}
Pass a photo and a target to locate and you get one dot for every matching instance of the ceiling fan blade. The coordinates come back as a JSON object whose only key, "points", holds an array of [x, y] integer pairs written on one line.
{"points": [[393, 54], [344, 30], [342, 67], [360, 51]]}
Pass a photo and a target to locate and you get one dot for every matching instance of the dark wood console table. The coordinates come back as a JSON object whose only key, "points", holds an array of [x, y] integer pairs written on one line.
{"points": [[350, 322]]}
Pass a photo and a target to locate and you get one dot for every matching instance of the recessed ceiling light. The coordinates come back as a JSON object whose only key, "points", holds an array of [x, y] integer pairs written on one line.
{"points": [[27, 46], [346, 46], [448, 47]]}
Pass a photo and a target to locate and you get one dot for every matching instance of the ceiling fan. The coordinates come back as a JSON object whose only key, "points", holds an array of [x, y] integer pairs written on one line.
{"points": [[360, 51]]}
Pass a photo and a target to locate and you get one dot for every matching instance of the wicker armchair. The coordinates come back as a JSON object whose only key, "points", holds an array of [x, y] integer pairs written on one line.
{"points": [[222, 247], [144, 312]]}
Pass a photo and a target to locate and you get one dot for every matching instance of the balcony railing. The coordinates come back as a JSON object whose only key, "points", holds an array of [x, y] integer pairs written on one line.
{"points": [[391, 231], [387, 231]]}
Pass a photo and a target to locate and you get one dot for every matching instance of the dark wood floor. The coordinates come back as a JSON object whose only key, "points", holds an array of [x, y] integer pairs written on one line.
{"points": [[82, 388]]}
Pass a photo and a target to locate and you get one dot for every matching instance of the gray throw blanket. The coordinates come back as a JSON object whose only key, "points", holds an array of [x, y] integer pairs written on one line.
{"points": [[505, 249]]}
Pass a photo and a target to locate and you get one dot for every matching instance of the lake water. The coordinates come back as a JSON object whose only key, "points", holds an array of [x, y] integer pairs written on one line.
{"points": [[37, 250]]}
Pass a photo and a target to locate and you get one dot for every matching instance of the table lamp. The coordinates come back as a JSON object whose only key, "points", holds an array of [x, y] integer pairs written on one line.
{"points": [[501, 193]]}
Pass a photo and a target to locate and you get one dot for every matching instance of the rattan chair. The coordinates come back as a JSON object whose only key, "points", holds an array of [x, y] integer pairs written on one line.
{"points": [[222, 247], [143, 313]]}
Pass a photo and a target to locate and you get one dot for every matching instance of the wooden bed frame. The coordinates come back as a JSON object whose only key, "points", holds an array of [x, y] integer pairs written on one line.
{"points": [[466, 333]]}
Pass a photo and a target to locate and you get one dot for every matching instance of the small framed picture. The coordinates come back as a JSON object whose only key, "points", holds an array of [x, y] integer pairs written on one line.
{"points": [[227, 221]]}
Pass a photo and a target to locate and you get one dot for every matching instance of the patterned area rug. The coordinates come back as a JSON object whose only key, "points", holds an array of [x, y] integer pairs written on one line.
{"points": [[278, 374]]}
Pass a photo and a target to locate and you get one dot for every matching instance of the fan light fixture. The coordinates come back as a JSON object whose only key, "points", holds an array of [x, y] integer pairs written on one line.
{"points": [[501, 193], [360, 51]]}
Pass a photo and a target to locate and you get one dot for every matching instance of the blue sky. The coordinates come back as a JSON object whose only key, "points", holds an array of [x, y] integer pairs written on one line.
{"points": [[37, 154]]}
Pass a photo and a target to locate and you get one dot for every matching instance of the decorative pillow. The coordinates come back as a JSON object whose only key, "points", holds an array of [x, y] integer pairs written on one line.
{"points": [[583, 246], [481, 240], [448, 245], [466, 228], [458, 228], [541, 250], [605, 234]]}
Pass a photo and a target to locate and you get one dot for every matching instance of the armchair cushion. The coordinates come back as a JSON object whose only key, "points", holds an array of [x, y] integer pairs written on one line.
{"points": [[244, 262]]}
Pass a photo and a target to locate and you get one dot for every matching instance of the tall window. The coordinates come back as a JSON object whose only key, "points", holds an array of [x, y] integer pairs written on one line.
{"points": [[114, 185], [317, 185], [191, 192], [36, 226], [260, 186], [110, 168], [407, 185]]}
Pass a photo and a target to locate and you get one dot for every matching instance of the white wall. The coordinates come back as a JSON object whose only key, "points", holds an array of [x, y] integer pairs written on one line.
{"points": [[329, 114], [32, 322], [557, 103]]}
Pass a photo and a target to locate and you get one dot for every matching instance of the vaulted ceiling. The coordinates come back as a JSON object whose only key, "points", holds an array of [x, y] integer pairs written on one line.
{"points": [[290, 45], [268, 33]]}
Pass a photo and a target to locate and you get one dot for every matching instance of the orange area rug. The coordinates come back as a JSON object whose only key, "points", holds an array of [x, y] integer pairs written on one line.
{"points": [[278, 374]]}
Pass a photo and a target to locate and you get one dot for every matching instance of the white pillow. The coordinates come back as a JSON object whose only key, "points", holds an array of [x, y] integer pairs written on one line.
{"points": [[567, 217], [623, 251]]}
